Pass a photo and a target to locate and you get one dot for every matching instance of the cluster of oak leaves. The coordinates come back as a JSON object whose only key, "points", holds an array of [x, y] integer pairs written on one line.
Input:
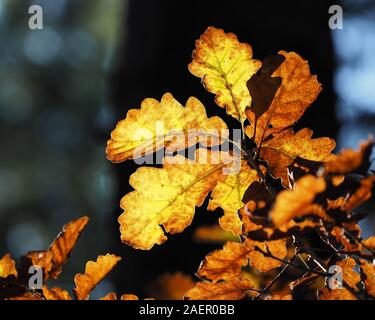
{"points": [[289, 212]]}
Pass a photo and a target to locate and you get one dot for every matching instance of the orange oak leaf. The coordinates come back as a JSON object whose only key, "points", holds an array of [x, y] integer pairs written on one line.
{"points": [[369, 242], [55, 294], [362, 194], [350, 278], [163, 124], [94, 273], [225, 65], [349, 160], [110, 296], [29, 295], [7, 266], [52, 260], [233, 289], [281, 151], [297, 92], [227, 263], [128, 296], [299, 202], [368, 273]]}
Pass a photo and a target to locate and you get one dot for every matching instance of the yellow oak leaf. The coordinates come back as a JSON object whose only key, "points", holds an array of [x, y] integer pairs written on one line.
{"points": [[228, 195], [163, 124], [281, 151], [168, 196], [225, 65], [297, 92], [95, 272], [227, 263], [299, 202], [233, 289]]}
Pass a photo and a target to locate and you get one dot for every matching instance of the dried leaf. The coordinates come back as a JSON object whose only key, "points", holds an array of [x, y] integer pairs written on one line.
{"points": [[127, 296], [281, 151], [94, 273], [297, 92], [225, 65], [233, 289], [29, 295], [299, 202], [369, 242], [163, 124], [7, 266], [362, 194], [59, 251]]}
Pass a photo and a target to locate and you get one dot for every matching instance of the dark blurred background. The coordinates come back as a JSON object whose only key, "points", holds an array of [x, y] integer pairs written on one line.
{"points": [[63, 88]]}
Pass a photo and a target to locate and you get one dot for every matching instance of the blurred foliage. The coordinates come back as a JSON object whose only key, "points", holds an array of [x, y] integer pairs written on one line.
{"points": [[54, 113]]}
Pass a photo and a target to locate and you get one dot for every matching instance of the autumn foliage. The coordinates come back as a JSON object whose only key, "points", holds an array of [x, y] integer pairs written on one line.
{"points": [[290, 206]]}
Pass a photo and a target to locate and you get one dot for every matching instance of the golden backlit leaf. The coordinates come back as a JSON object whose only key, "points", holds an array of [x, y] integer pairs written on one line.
{"points": [[55, 294], [233, 289], [171, 286], [227, 263], [368, 270], [7, 266], [52, 260], [278, 297], [228, 195], [110, 296], [225, 65], [94, 273], [165, 123], [349, 160], [350, 277], [281, 151], [297, 92], [213, 234], [299, 202], [168, 196]]}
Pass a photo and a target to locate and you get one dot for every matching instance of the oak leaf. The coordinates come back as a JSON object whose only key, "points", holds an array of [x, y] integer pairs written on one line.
{"points": [[281, 151], [94, 273], [168, 196], [369, 242], [228, 195], [227, 263], [52, 260], [350, 161], [297, 92], [233, 289], [350, 278], [7, 266], [368, 273], [299, 202], [163, 124], [110, 296], [225, 65], [55, 294]]}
